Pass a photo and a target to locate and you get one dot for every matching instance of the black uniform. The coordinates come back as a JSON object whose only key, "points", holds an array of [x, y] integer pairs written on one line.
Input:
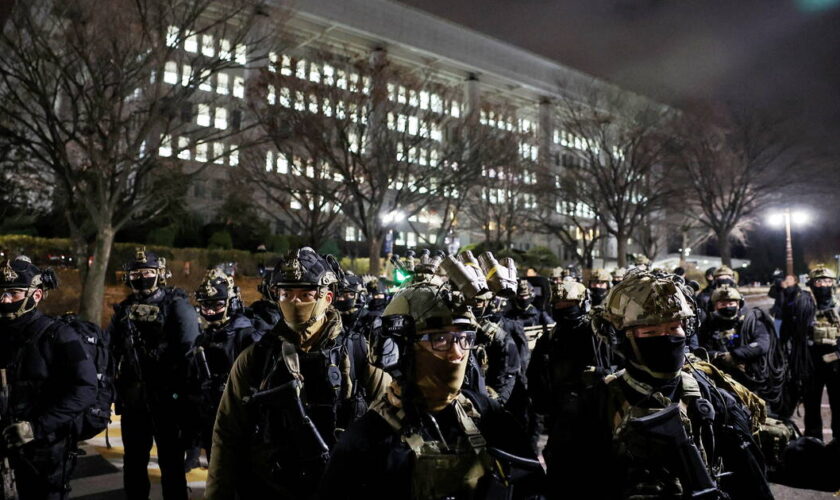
{"points": [[745, 337], [154, 402], [222, 344], [592, 448], [264, 314], [374, 460], [51, 384]]}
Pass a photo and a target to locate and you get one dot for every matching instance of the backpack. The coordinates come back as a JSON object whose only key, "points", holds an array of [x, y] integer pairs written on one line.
{"points": [[96, 343]]}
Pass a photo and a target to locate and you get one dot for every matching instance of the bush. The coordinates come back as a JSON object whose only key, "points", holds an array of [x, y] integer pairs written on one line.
{"points": [[163, 236], [220, 240]]}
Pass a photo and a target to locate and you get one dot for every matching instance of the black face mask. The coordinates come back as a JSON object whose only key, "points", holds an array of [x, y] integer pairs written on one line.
{"points": [[344, 305], [10, 307], [523, 303], [598, 295], [566, 313], [214, 317], [143, 284], [823, 295], [724, 281], [664, 354], [726, 313], [377, 304]]}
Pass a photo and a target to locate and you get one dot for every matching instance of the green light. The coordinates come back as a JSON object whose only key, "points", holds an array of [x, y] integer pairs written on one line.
{"points": [[816, 5], [401, 276]]}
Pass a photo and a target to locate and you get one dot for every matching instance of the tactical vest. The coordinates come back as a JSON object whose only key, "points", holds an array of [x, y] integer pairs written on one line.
{"points": [[441, 471], [826, 327]]}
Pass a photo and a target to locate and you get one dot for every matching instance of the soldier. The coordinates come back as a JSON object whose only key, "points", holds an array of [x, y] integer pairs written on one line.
{"points": [[811, 323], [264, 313], [705, 294], [659, 428], [50, 380], [736, 338], [618, 275], [292, 393], [599, 286], [350, 303], [225, 333], [428, 437], [152, 333], [724, 275], [559, 359]]}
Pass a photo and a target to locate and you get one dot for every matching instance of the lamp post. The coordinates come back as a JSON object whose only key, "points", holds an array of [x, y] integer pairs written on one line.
{"points": [[786, 217]]}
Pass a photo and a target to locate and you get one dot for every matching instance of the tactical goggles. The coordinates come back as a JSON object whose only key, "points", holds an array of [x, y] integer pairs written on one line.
{"points": [[212, 305], [142, 273], [14, 294], [442, 341]]}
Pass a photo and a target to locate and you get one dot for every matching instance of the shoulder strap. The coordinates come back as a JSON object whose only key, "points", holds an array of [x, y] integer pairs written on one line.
{"points": [[465, 412], [289, 354]]}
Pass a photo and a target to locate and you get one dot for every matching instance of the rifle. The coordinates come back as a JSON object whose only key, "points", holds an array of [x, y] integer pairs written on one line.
{"points": [[136, 367], [6, 472], [308, 441]]}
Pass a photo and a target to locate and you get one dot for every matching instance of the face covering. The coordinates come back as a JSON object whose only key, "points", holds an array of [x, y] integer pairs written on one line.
{"points": [[438, 380], [523, 303], [823, 295], [598, 295], [305, 318], [8, 309], [344, 305], [724, 281], [145, 285], [566, 313], [661, 357], [212, 318], [726, 313], [377, 304]]}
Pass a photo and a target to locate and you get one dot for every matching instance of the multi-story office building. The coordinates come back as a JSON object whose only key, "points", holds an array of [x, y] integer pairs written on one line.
{"points": [[489, 74]]}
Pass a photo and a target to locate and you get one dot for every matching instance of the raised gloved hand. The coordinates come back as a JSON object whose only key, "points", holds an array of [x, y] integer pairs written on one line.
{"points": [[18, 434]]}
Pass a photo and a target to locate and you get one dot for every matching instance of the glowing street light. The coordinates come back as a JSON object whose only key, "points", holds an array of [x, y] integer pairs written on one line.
{"points": [[779, 219]]}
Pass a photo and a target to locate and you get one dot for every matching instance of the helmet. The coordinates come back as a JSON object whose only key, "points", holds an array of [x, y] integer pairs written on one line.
{"points": [[640, 260], [821, 272], [524, 289], [600, 275], [351, 283], [557, 273], [726, 293], [303, 268], [619, 273], [218, 285], [724, 271], [20, 273], [430, 307], [645, 299], [709, 272], [146, 260], [568, 291]]}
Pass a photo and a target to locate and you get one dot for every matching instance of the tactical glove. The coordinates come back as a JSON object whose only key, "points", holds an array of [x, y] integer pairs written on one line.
{"points": [[18, 434]]}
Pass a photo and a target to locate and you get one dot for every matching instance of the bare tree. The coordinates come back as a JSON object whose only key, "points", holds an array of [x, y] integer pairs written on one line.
{"points": [[730, 167], [102, 97], [621, 142], [369, 138]]}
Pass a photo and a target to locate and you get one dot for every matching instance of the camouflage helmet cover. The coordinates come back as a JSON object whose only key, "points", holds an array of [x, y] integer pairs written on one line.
{"points": [[726, 292], [821, 272], [619, 273], [303, 268], [430, 306], [572, 291], [724, 271], [216, 285], [645, 299], [600, 275]]}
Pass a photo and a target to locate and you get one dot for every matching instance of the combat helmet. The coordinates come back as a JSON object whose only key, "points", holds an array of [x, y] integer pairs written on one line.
{"points": [[643, 299], [726, 293], [724, 271], [146, 260], [570, 291], [600, 275], [217, 286], [618, 275], [821, 272], [21, 274], [304, 268]]}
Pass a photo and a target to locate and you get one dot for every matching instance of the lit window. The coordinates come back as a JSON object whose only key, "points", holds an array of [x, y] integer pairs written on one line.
{"points": [[424, 100], [285, 98], [286, 65], [455, 109], [238, 87], [341, 79], [282, 164], [300, 102], [401, 95], [437, 103], [221, 118], [234, 158], [272, 96], [412, 125], [165, 148], [224, 48], [208, 48], [401, 123], [314, 74], [436, 134], [186, 74], [300, 69], [349, 233], [366, 84], [412, 240], [201, 152], [295, 204], [240, 53], [339, 110], [222, 84], [327, 106], [328, 74], [184, 148], [191, 43], [170, 72], [203, 117], [272, 61], [354, 81], [219, 153], [313, 104], [310, 170], [172, 35], [269, 161], [412, 98], [205, 80]]}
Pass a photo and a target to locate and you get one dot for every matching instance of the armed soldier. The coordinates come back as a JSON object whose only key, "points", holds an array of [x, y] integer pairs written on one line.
{"points": [[599, 285], [152, 334], [811, 323], [225, 333], [738, 339], [429, 437], [48, 382], [659, 428], [264, 313], [292, 393], [618, 275], [350, 303]]}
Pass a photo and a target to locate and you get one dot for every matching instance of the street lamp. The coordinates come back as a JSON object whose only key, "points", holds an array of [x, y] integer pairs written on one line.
{"points": [[784, 218]]}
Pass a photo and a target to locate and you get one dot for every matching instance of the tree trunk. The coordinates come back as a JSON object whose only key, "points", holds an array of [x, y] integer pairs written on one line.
{"points": [[93, 290], [621, 249], [725, 248], [374, 247], [80, 253]]}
